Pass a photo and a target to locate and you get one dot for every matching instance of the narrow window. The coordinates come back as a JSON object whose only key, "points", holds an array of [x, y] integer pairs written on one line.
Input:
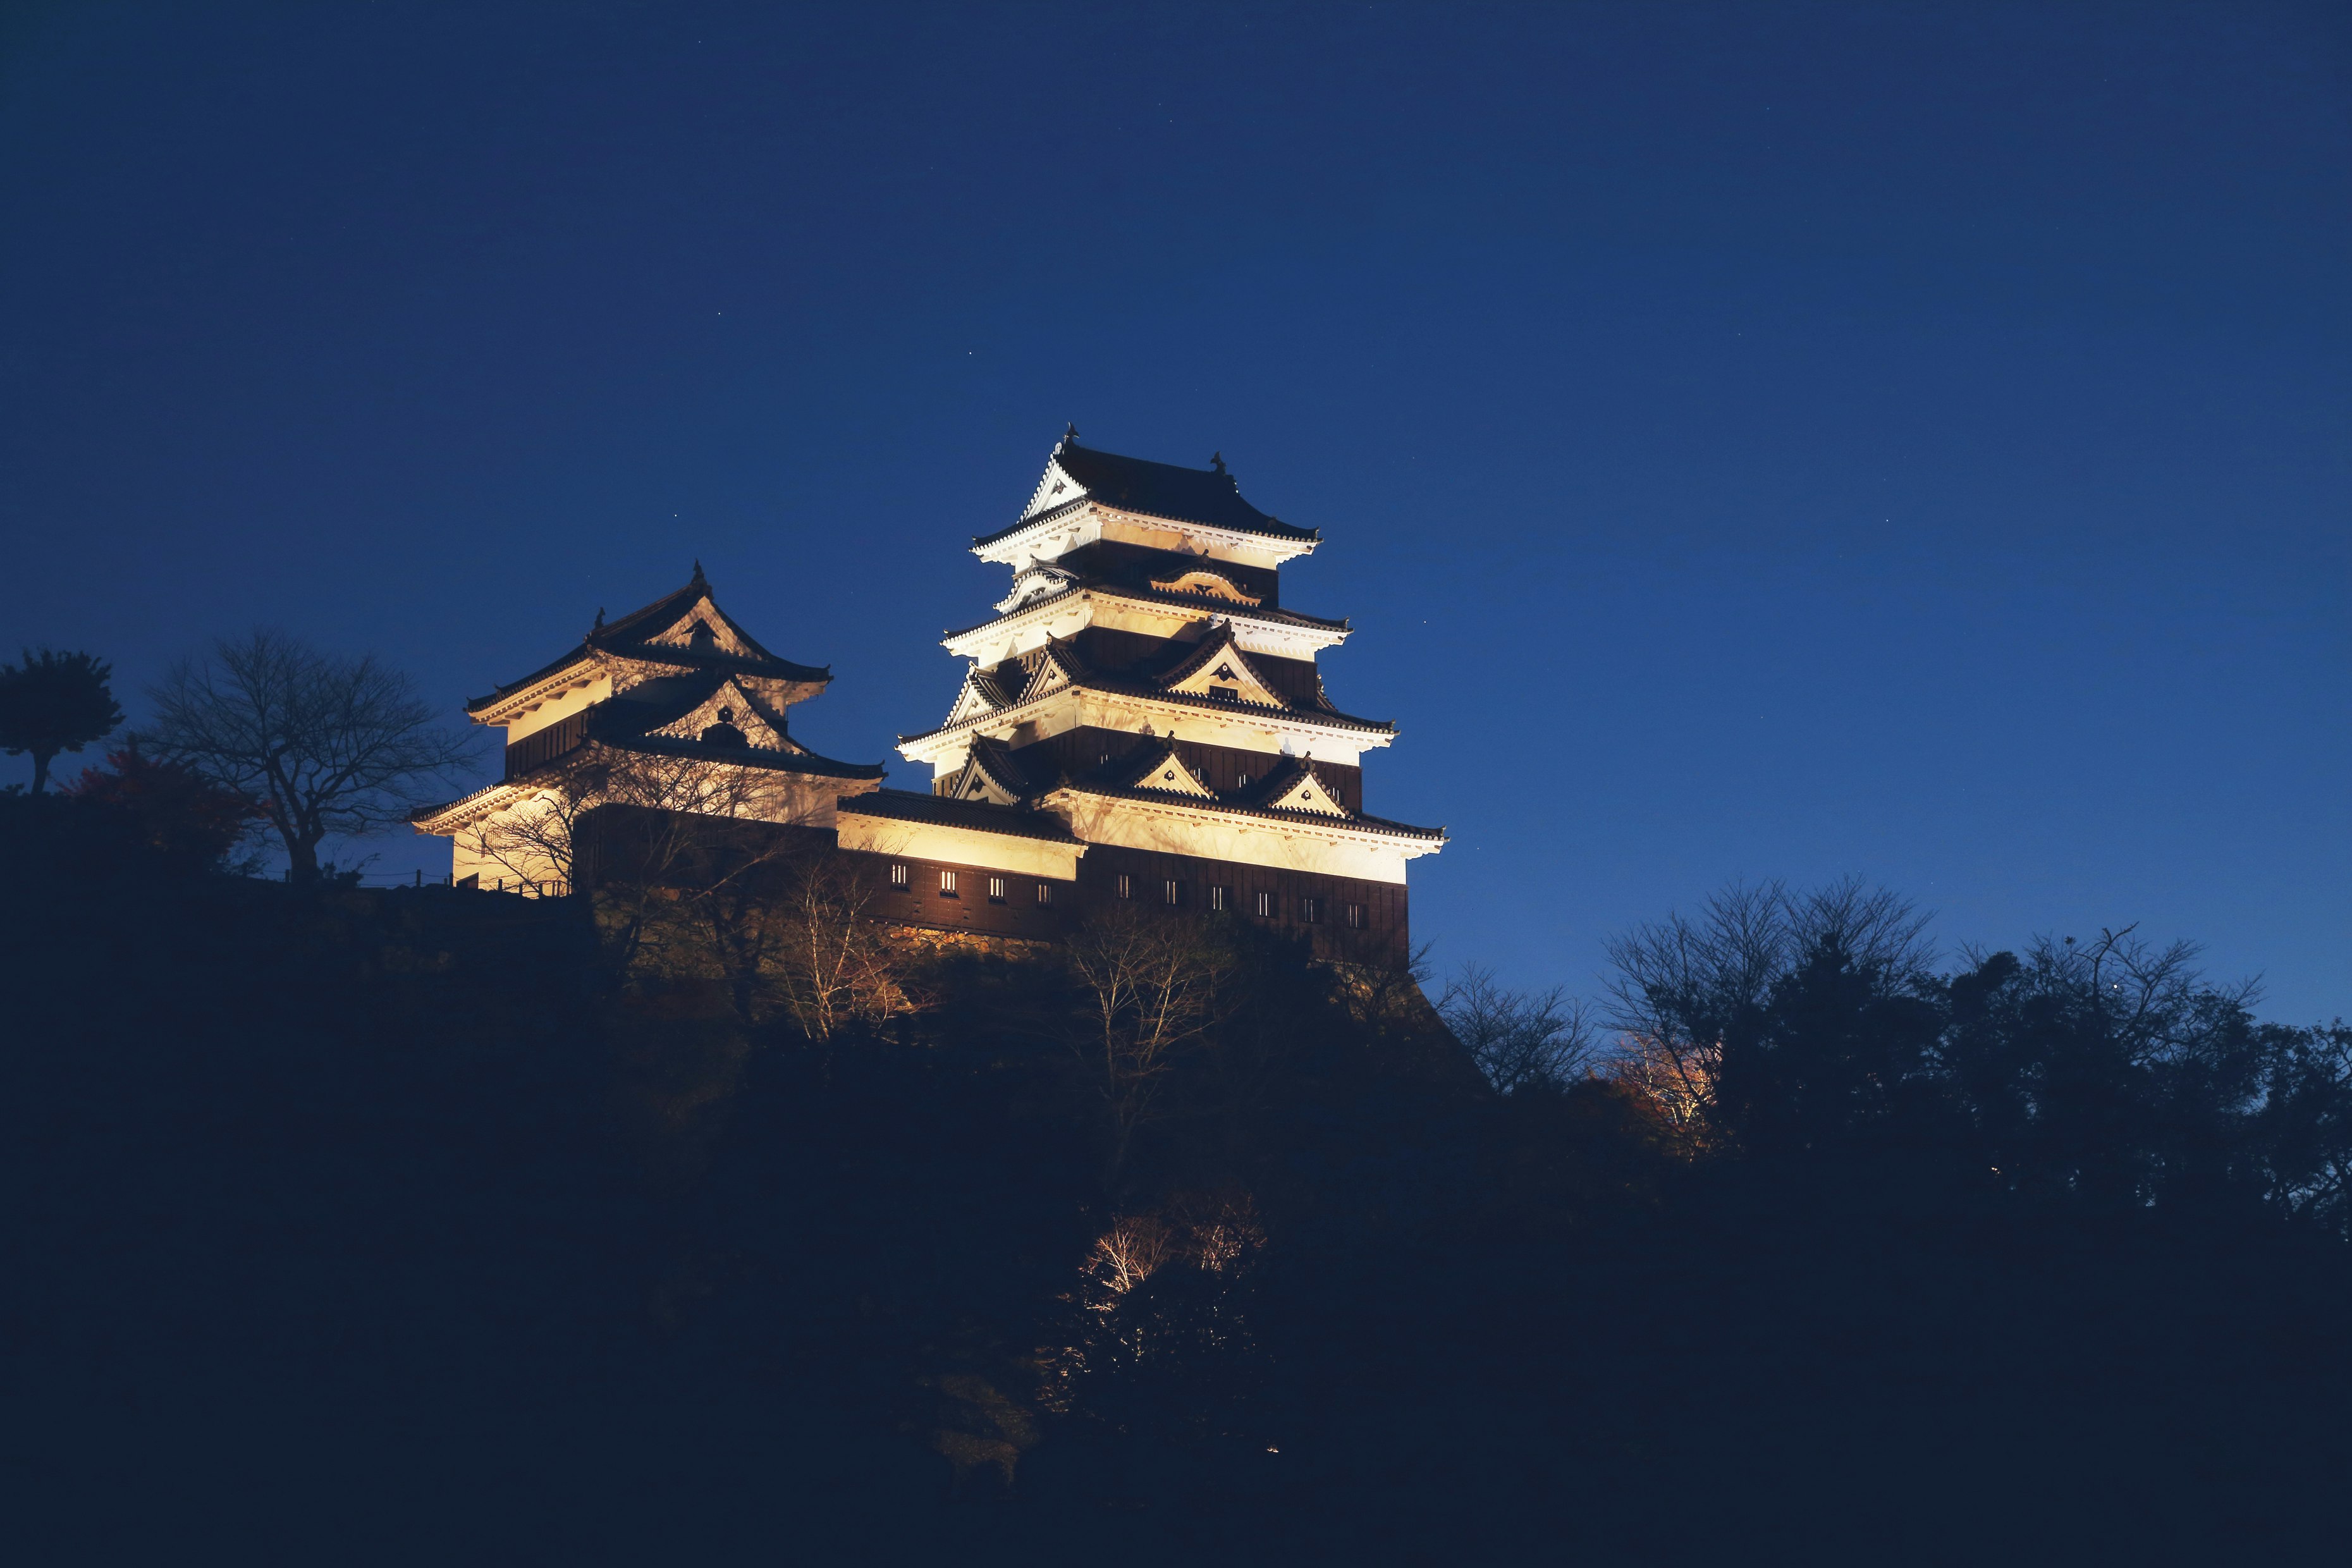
{"points": [[1044, 892], [1171, 893], [1355, 917], [996, 890], [947, 884], [1126, 886], [897, 878], [1220, 898], [1241, 781], [1265, 906], [1311, 910]]}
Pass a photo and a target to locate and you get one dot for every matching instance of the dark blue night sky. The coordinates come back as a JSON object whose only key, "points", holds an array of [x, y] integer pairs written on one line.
{"points": [[1751, 441]]}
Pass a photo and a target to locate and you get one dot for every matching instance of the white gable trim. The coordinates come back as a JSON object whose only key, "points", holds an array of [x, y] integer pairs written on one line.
{"points": [[1230, 671], [1173, 774], [1308, 792]]}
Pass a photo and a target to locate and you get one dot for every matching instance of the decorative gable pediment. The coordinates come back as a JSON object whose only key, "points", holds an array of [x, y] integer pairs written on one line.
{"points": [[981, 694], [1055, 488], [1307, 792], [1035, 583], [730, 704], [974, 781], [1172, 774], [1055, 668], [1208, 585], [1222, 671], [704, 630]]}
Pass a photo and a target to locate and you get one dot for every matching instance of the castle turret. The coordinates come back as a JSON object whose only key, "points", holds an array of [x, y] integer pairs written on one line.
{"points": [[675, 707]]}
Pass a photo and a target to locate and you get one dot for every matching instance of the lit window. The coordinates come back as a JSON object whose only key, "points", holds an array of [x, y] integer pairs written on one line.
{"points": [[897, 878], [1171, 893], [996, 890], [1355, 917], [1126, 886], [1310, 910], [1241, 781], [1265, 906], [1044, 892], [947, 884], [1221, 898]]}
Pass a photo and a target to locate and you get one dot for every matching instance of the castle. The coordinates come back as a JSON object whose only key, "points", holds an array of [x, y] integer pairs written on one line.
{"points": [[1141, 720]]}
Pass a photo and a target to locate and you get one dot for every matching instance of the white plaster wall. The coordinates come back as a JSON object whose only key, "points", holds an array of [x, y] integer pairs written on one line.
{"points": [[559, 708], [961, 846], [1250, 841]]}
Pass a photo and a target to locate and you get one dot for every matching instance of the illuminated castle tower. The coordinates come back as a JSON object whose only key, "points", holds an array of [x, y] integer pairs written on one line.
{"points": [[673, 705], [1141, 721]]}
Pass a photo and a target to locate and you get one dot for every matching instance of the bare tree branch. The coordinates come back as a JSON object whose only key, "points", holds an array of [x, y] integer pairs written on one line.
{"points": [[328, 745]]}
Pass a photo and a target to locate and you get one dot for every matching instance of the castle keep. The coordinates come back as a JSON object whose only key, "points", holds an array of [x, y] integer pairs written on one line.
{"points": [[1141, 720]]}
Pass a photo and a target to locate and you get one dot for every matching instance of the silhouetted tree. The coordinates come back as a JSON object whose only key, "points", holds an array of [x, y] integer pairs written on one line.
{"points": [[55, 702], [326, 744], [2109, 1072], [176, 811], [1683, 984]]}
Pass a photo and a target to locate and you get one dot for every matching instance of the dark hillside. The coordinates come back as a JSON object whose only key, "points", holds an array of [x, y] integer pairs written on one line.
{"points": [[358, 1225]]}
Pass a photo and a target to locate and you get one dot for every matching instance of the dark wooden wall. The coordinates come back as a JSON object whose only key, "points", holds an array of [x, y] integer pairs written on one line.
{"points": [[615, 836], [545, 746], [1384, 937], [1079, 752], [1114, 561]]}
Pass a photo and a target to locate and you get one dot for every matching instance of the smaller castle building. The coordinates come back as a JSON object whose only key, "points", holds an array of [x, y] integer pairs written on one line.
{"points": [[673, 707]]}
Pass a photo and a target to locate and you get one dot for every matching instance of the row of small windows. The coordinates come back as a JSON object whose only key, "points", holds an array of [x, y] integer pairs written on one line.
{"points": [[951, 885], [1311, 909]]}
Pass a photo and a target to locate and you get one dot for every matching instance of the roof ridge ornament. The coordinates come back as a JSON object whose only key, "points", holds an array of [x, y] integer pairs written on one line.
{"points": [[1217, 461], [1070, 436], [698, 577]]}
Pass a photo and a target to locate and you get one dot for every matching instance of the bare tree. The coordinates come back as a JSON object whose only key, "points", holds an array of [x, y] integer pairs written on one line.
{"points": [[833, 965], [668, 798], [326, 744], [697, 870], [1518, 1038], [1153, 986]]}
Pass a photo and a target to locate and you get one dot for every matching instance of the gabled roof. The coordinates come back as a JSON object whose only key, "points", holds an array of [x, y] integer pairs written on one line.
{"points": [[979, 815], [1296, 784], [632, 637], [663, 702], [981, 693], [1059, 664], [1162, 770], [1217, 659], [639, 630], [1207, 495], [991, 772]]}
